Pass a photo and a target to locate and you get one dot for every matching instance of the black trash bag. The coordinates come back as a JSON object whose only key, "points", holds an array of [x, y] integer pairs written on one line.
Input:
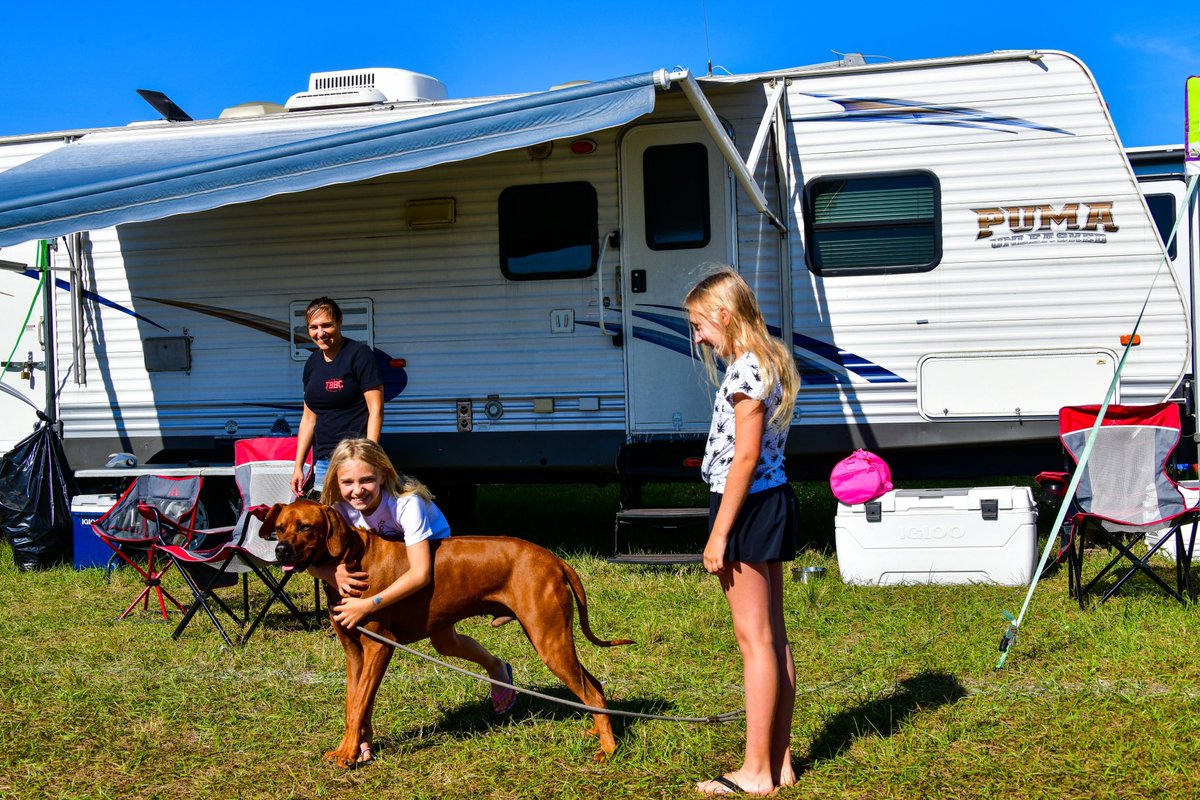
{"points": [[36, 487]]}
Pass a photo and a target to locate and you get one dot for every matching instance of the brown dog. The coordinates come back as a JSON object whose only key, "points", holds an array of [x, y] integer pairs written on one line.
{"points": [[496, 576]]}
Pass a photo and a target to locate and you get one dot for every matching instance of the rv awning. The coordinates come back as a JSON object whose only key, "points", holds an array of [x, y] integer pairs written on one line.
{"points": [[107, 179]]}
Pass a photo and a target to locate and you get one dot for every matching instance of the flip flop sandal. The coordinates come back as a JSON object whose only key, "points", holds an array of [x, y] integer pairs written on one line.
{"points": [[729, 786], [504, 697]]}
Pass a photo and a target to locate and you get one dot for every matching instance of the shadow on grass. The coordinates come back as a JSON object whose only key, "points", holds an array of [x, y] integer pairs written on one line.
{"points": [[470, 719], [883, 716]]}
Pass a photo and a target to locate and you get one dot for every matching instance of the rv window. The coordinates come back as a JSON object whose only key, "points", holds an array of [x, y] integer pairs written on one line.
{"points": [[548, 230], [1162, 208], [358, 323], [873, 224], [675, 177]]}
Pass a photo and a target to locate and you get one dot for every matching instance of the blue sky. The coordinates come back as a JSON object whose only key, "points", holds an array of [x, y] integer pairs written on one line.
{"points": [[68, 64]]}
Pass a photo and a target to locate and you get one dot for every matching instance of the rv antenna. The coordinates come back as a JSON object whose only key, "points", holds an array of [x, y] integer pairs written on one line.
{"points": [[164, 105], [707, 42]]}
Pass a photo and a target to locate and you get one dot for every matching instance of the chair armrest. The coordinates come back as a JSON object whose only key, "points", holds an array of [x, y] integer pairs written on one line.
{"points": [[1053, 483]]}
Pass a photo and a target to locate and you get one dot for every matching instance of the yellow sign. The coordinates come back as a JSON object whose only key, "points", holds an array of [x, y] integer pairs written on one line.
{"points": [[1192, 111]]}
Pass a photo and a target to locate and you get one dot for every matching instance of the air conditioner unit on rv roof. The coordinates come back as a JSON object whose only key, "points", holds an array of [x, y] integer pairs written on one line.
{"points": [[358, 87]]}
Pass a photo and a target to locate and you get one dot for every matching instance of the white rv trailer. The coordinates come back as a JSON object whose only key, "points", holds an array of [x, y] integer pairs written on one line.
{"points": [[953, 247]]}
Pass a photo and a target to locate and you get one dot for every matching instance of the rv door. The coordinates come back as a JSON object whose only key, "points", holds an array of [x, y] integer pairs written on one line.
{"points": [[676, 201]]}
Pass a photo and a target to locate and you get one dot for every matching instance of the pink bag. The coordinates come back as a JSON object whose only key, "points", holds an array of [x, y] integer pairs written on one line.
{"points": [[860, 477]]}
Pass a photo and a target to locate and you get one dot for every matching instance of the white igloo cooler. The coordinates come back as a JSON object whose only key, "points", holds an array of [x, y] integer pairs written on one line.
{"points": [[974, 535]]}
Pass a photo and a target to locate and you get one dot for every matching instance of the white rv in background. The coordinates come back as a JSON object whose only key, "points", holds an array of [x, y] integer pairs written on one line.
{"points": [[954, 249]]}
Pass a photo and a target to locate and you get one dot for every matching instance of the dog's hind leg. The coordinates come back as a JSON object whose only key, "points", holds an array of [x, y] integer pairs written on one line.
{"points": [[555, 644]]}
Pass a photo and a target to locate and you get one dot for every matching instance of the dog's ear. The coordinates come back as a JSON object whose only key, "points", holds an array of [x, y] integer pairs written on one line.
{"points": [[267, 531], [337, 532]]}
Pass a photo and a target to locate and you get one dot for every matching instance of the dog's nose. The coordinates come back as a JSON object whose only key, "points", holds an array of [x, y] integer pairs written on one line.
{"points": [[283, 551]]}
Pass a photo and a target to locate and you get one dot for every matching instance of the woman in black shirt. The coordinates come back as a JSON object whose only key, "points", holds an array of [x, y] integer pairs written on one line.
{"points": [[343, 392]]}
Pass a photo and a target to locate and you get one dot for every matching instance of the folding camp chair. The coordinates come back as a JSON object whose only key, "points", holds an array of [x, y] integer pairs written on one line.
{"points": [[153, 511], [263, 471], [1125, 490]]}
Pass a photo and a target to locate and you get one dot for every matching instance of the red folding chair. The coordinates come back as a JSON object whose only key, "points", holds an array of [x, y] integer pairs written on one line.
{"points": [[263, 471], [153, 511], [1125, 490]]}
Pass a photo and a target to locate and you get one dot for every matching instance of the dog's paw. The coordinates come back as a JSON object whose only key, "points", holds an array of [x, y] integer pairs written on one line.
{"points": [[337, 758]]}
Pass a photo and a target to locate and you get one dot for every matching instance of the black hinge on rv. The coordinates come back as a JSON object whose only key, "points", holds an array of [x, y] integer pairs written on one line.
{"points": [[874, 511], [990, 507]]}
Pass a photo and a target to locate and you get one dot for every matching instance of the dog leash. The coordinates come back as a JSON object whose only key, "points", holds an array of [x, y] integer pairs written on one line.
{"points": [[726, 716]]}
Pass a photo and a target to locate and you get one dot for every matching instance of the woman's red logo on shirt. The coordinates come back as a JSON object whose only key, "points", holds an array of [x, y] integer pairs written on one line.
{"points": [[334, 385]]}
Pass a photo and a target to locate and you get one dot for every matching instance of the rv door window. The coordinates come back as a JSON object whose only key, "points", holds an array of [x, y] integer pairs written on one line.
{"points": [[873, 224], [675, 181], [1162, 209], [548, 230]]}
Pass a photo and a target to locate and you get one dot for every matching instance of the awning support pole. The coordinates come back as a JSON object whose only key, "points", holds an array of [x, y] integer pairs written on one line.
{"points": [[44, 263], [724, 144], [764, 127]]}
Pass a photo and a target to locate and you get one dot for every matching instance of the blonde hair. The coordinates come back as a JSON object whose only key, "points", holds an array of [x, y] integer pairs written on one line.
{"points": [[745, 331], [368, 452]]}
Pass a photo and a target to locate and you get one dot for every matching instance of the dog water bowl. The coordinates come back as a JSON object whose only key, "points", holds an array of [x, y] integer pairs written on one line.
{"points": [[807, 574]]}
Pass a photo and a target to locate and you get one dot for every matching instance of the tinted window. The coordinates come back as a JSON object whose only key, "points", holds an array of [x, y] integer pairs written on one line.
{"points": [[873, 224], [1162, 208], [548, 230], [675, 180]]}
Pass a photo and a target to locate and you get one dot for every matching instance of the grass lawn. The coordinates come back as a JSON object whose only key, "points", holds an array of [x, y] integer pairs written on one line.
{"points": [[898, 695]]}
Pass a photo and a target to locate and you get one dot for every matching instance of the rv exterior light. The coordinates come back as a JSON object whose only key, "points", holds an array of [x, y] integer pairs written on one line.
{"points": [[1126, 339], [541, 151], [583, 147], [433, 211]]}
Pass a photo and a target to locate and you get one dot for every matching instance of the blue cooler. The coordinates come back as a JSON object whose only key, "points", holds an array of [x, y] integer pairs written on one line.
{"points": [[89, 550]]}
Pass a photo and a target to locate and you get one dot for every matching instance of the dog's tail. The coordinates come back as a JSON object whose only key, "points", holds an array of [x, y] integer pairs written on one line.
{"points": [[581, 601]]}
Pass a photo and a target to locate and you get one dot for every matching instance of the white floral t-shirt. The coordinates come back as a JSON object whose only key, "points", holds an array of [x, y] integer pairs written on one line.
{"points": [[409, 517], [744, 376]]}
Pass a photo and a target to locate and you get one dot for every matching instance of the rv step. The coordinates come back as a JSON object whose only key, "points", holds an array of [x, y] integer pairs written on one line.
{"points": [[657, 559], [661, 519]]}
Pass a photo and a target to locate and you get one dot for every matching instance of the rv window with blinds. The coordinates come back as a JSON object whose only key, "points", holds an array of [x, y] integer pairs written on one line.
{"points": [[548, 230], [872, 224], [675, 181]]}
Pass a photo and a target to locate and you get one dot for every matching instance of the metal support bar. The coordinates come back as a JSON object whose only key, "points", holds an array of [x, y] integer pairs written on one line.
{"points": [[724, 144], [764, 127], [49, 343]]}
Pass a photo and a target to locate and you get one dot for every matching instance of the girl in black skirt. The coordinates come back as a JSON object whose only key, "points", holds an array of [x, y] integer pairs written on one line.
{"points": [[752, 515]]}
